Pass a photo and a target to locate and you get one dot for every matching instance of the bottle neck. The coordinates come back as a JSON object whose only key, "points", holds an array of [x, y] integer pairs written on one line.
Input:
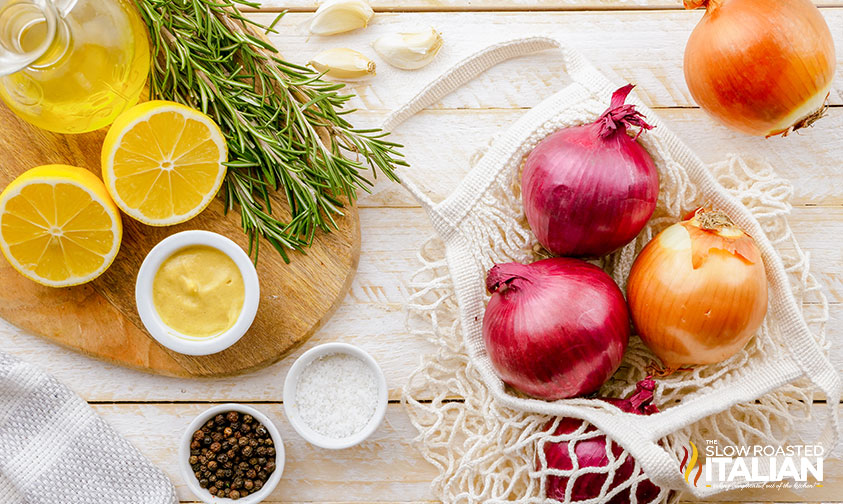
{"points": [[33, 33]]}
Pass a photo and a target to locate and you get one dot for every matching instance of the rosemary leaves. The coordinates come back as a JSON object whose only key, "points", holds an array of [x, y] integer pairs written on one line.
{"points": [[284, 125]]}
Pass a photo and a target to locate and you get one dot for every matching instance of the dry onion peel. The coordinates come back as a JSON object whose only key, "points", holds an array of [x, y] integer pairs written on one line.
{"points": [[698, 291], [763, 67]]}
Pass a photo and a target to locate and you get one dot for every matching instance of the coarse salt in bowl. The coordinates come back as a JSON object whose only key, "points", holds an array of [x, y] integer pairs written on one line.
{"points": [[335, 395]]}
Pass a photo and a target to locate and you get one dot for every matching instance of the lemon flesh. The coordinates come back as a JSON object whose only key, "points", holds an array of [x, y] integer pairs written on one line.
{"points": [[163, 162], [58, 225]]}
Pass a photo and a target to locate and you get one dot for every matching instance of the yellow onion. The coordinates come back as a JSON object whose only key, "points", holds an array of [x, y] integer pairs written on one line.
{"points": [[763, 67], [698, 291]]}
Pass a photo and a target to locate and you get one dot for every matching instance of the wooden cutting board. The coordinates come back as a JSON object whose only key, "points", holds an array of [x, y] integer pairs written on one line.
{"points": [[99, 319]]}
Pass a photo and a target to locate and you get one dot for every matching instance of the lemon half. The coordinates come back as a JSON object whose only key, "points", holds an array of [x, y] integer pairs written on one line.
{"points": [[162, 162], [58, 225]]}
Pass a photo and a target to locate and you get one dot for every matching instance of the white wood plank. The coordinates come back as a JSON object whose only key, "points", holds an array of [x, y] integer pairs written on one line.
{"points": [[387, 466], [642, 47], [496, 5], [371, 317], [440, 144]]}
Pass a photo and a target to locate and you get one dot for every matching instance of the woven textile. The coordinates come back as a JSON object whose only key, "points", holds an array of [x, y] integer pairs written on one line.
{"points": [[488, 446], [55, 449]]}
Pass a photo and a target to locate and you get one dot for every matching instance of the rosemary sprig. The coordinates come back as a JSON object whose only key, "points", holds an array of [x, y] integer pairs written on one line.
{"points": [[284, 125]]}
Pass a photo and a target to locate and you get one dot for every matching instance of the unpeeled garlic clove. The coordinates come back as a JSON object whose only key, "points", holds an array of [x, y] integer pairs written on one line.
{"points": [[343, 63], [340, 16], [409, 51]]}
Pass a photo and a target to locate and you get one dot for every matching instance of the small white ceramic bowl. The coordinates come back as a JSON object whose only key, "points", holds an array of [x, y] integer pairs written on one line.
{"points": [[168, 336], [187, 471], [292, 410]]}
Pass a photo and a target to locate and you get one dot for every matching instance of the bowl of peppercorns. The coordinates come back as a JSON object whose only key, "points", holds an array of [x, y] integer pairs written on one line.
{"points": [[232, 452]]}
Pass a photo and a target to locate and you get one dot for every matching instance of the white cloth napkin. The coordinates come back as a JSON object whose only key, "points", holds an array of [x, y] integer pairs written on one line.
{"points": [[55, 450]]}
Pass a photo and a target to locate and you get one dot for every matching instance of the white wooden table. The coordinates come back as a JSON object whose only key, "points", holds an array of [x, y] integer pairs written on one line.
{"points": [[638, 41]]}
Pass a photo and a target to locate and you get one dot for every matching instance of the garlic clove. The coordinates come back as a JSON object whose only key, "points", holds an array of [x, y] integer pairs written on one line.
{"points": [[409, 51], [342, 63], [340, 16]]}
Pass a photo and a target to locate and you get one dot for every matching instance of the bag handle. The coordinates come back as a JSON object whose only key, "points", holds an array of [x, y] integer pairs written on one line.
{"points": [[469, 68]]}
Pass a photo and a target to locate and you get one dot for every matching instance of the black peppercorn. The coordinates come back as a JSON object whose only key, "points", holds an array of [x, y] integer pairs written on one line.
{"points": [[232, 455]]}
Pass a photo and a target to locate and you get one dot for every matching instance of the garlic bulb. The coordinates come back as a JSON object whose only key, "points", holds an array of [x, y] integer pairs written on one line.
{"points": [[340, 16], [342, 63], [409, 51]]}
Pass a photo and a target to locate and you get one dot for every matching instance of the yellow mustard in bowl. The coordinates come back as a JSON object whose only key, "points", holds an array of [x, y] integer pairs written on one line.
{"points": [[198, 291]]}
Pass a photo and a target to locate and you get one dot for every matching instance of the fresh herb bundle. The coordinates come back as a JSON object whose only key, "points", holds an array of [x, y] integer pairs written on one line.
{"points": [[284, 125]]}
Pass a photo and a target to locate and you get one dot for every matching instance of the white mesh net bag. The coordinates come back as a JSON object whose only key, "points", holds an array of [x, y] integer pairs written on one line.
{"points": [[488, 443]]}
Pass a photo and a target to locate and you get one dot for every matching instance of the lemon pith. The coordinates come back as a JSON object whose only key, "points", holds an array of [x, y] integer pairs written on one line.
{"points": [[58, 225], [162, 162]]}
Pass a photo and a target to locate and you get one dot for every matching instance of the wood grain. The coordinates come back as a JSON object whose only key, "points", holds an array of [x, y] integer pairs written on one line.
{"points": [[645, 48], [386, 466], [497, 5], [372, 317], [100, 319]]}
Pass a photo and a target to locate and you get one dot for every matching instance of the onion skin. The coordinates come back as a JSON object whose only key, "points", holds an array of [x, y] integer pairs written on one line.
{"points": [[762, 67], [696, 295], [556, 328], [589, 190], [591, 452]]}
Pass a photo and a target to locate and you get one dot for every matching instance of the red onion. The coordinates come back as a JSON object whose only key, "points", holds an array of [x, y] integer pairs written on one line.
{"points": [[590, 190], [591, 452], [555, 328]]}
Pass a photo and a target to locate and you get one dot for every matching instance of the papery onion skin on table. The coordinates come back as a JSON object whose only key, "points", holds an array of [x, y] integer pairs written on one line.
{"points": [[698, 291], [763, 67], [589, 190], [556, 328], [591, 452]]}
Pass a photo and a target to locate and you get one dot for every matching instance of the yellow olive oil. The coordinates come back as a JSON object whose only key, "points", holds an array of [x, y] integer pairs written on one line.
{"points": [[94, 68]]}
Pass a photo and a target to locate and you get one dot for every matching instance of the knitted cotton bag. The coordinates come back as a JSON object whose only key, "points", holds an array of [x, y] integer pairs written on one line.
{"points": [[487, 445]]}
